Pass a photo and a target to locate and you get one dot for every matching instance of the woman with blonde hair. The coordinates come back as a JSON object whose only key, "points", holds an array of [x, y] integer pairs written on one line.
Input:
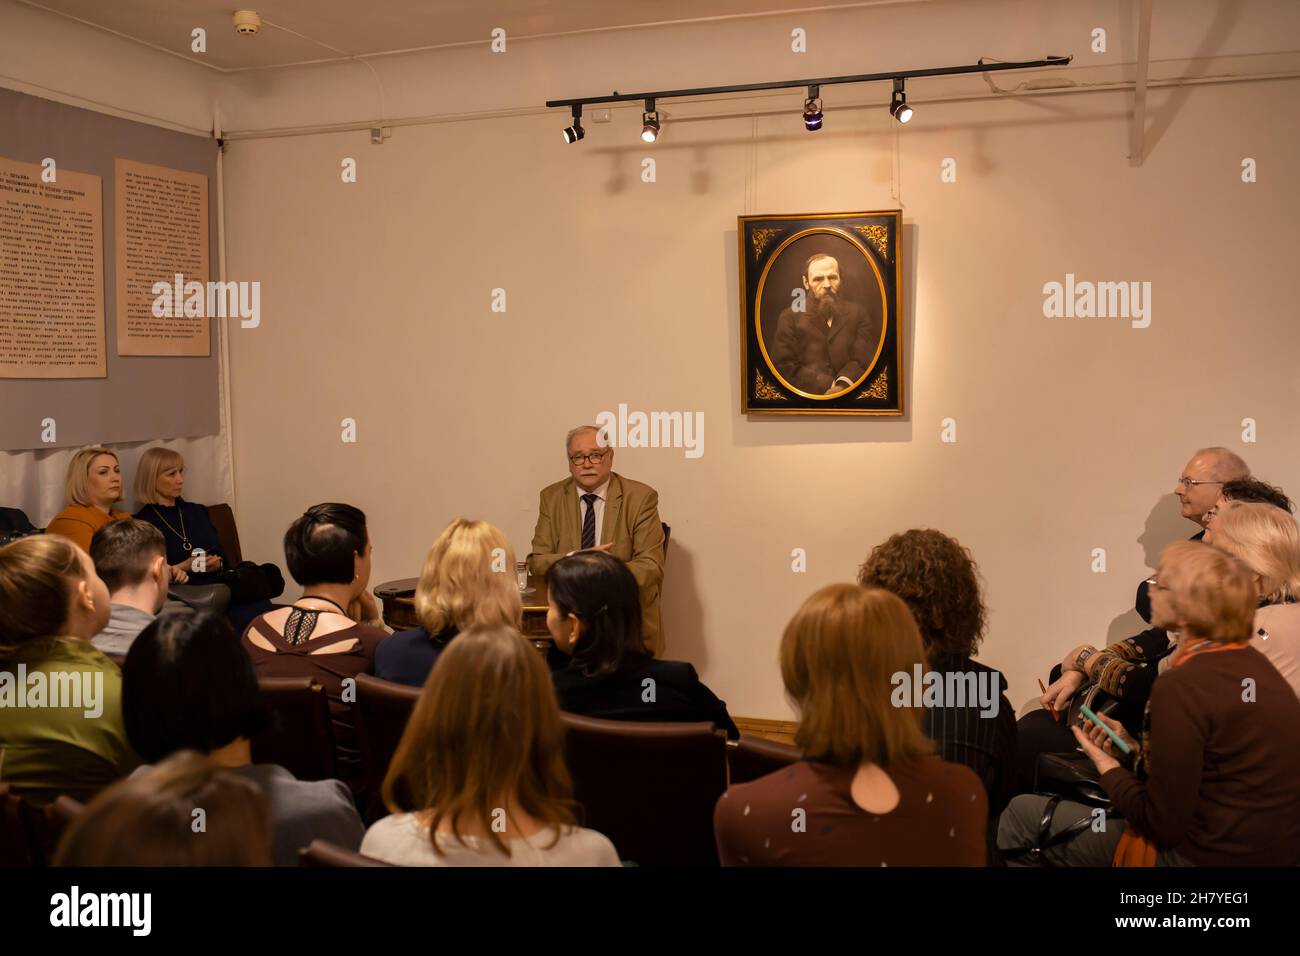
{"points": [[468, 581], [71, 739], [186, 527], [869, 791], [1267, 541], [479, 777], [92, 486]]}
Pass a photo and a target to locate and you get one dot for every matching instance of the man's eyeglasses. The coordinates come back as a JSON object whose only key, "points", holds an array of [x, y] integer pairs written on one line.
{"points": [[596, 457], [1188, 482]]}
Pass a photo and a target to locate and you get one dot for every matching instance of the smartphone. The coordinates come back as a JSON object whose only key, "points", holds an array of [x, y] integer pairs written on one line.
{"points": [[1115, 738]]}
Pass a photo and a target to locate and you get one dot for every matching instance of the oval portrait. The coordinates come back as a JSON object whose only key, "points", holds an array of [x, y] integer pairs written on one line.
{"points": [[821, 307]]}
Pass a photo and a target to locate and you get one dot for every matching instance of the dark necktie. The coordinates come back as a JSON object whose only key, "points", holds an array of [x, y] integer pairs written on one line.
{"points": [[589, 522]]}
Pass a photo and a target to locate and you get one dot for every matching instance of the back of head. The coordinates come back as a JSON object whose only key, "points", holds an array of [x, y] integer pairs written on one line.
{"points": [[1267, 540], [939, 582], [188, 685], [153, 464], [599, 590], [839, 655], [468, 580], [185, 811], [75, 484], [1252, 489], [1213, 594], [123, 550], [37, 578], [486, 729], [319, 546]]}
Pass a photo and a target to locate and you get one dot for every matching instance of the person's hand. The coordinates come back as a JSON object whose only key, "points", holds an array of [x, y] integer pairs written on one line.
{"points": [[178, 573], [1100, 758], [212, 562], [1067, 662], [1102, 740], [363, 608], [1061, 690], [598, 547]]}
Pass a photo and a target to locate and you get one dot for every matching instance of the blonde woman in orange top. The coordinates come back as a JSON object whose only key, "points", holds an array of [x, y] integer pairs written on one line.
{"points": [[93, 486]]}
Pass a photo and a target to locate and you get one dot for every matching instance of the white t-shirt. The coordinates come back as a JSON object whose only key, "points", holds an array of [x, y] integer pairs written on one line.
{"points": [[404, 840]]}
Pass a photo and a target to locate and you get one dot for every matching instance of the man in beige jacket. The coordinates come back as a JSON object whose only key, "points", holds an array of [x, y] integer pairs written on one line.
{"points": [[595, 509]]}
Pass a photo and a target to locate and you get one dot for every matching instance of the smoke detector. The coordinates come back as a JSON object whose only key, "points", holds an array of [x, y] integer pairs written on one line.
{"points": [[247, 22]]}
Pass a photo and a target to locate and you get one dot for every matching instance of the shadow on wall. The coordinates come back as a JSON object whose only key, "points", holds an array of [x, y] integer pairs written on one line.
{"points": [[1164, 525], [680, 607]]}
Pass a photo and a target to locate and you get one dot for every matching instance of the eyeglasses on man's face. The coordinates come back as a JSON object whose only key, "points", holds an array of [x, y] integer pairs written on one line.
{"points": [[596, 457], [1187, 483]]}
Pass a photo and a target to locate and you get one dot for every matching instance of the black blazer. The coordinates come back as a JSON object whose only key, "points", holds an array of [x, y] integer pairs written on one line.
{"points": [[678, 695]]}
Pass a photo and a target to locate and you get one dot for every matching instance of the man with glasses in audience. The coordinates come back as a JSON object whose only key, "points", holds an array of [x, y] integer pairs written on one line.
{"points": [[595, 509]]}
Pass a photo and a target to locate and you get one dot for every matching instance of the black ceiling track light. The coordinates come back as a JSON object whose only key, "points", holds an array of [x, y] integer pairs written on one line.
{"points": [[812, 108]]}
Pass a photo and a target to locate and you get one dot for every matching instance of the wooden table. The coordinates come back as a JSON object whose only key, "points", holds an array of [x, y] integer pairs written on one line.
{"points": [[398, 598]]}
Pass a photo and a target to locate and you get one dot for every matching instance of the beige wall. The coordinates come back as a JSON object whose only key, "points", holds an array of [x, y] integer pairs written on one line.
{"points": [[376, 297], [1070, 432]]}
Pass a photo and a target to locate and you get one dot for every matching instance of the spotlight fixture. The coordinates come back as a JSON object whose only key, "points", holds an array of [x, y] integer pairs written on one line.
{"points": [[898, 107], [650, 122], [575, 132], [812, 110]]}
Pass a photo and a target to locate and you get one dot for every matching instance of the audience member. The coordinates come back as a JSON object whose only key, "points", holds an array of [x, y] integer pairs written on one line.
{"points": [[1267, 541], [331, 632], [1126, 669], [1198, 488], [131, 559], [187, 685], [93, 485], [595, 619], [187, 526], [938, 580], [60, 697], [479, 777], [1245, 490], [468, 581], [150, 819], [1215, 778], [869, 791], [596, 509]]}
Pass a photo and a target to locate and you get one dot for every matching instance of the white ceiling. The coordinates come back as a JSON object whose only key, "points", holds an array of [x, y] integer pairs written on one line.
{"points": [[382, 26]]}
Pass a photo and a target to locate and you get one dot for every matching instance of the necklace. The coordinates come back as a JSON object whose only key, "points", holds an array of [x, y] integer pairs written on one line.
{"points": [[185, 538]]}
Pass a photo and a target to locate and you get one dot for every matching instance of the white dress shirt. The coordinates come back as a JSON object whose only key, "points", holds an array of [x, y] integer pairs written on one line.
{"points": [[598, 504]]}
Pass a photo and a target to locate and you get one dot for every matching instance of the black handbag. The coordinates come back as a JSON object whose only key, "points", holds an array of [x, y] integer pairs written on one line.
{"points": [[1045, 839]]}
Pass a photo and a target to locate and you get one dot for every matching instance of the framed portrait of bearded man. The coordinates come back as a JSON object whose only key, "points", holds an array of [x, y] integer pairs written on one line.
{"points": [[819, 314]]}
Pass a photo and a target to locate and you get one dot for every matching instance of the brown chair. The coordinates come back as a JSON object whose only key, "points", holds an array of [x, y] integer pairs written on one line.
{"points": [[321, 853], [650, 787], [223, 519], [383, 709], [752, 757], [301, 737], [16, 845]]}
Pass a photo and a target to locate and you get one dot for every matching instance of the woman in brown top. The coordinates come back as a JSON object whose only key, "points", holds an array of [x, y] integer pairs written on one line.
{"points": [[1215, 779], [331, 632], [869, 791]]}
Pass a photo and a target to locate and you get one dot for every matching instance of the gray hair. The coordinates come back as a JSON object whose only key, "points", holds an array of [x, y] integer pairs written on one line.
{"points": [[568, 438], [1227, 464]]}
